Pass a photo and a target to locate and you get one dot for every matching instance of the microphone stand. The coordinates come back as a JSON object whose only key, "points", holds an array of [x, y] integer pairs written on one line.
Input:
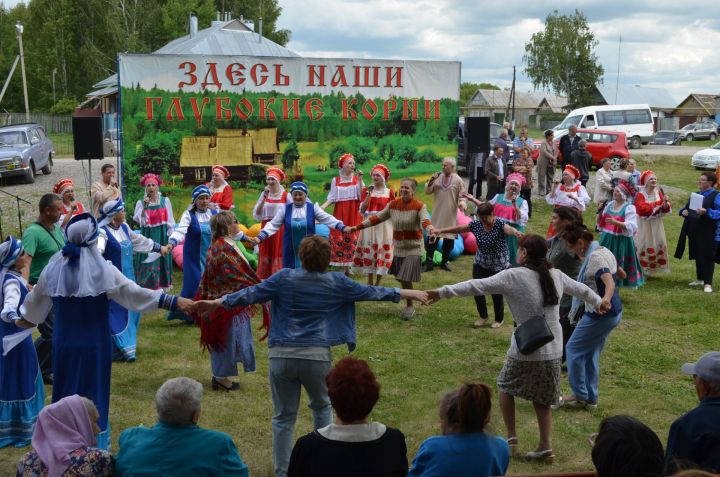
{"points": [[18, 199]]}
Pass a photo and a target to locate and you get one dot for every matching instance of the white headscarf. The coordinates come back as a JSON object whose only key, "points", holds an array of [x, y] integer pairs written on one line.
{"points": [[10, 250], [79, 270]]}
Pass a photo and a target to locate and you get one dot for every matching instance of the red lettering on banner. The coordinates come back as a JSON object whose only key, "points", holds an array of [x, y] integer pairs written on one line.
{"points": [[190, 73], [235, 73], [265, 112], [313, 108], [222, 114], [409, 106], [347, 109], [389, 106], [338, 78], [390, 76], [290, 106], [244, 109], [280, 78], [149, 114], [363, 79], [259, 80], [432, 109], [318, 75], [369, 109], [198, 111], [175, 107], [212, 74]]}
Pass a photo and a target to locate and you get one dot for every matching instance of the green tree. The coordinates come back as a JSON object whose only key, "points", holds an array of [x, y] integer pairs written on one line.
{"points": [[467, 90], [562, 58], [291, 155]]}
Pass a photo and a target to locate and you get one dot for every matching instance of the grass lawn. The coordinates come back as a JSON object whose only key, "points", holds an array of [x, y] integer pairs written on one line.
{"points": [[665, 324]]}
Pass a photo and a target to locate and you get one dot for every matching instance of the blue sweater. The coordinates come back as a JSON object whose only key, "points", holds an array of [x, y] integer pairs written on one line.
{"points": [[461, 455]]}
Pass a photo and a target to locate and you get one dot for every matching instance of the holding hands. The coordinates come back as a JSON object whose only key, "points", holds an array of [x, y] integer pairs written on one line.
{"points": [[349, 230]]}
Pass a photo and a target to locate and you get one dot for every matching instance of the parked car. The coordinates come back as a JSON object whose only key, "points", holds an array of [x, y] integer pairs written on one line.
{"points": [[707, 158], [110, 139], [461, 159], [25, 149], [702, 130], [667, 138], [601, 144]]}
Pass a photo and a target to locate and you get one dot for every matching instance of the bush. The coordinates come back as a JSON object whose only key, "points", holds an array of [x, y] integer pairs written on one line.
{"points": [[360, 147], [427, 155], [291, 155], [159, 152], [64, 107]]}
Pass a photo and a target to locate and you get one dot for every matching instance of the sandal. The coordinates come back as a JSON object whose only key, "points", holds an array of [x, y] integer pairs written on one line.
{"points": [[217, 385], [496, 324], [480, 322], [513, 444]]}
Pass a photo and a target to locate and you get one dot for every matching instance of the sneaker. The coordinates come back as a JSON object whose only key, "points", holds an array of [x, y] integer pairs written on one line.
{"points": [[707, 289], [407, 313], [480, 322], [696, 283], [496, 324]]}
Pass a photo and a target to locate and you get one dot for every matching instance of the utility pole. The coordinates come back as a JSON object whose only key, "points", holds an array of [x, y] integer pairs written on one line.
{"points": [[19, 29], [54, 72]]}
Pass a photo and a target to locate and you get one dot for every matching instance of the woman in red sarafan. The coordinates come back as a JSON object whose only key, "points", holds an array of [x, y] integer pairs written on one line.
{"points": [[227, 333], [345, 191], [651, 205], [271, 199]]}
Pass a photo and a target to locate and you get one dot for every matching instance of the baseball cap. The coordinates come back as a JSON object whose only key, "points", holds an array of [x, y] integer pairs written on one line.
{"points": [[707, 367]]}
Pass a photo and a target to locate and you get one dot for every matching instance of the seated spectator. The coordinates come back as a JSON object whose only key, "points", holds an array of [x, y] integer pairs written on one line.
{"points": [[693, 473], [176, 445], [352, 446], [694, 438], [463, 449], [625, 447], [63, 442]]}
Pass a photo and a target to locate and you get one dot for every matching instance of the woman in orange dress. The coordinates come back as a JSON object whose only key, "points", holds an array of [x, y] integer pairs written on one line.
{"points": [[222, 196]]}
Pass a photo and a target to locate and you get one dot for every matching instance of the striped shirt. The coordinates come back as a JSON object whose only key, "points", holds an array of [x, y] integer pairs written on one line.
{"points": [[408, 220]]}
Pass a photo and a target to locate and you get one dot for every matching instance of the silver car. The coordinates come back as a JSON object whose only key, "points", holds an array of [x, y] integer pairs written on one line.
{"points": [[702, 130], [25, 149]]}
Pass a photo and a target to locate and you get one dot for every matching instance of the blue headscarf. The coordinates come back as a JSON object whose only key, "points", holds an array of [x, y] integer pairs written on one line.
{"points": [[200, 190], [82, 231], [110, 210], [301, 186], [10, 250]]}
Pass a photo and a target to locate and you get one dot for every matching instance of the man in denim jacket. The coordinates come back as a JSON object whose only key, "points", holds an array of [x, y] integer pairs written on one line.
{"points": [[312, 309]]}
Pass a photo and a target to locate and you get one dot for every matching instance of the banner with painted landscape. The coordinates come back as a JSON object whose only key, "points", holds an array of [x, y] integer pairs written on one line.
{"points": [[182, 114]]}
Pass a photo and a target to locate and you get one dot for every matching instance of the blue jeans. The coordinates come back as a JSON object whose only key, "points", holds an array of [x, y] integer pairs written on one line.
{"points": [[286, 377], [583, 354]]}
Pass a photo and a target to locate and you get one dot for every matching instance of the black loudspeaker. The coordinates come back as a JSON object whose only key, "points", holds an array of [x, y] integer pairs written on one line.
{"points": [[477, 135], [87, 136]]}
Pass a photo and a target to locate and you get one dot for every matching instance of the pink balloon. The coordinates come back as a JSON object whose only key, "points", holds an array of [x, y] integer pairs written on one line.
{"points": [[470, 243], [462, 219], [177, 255]]}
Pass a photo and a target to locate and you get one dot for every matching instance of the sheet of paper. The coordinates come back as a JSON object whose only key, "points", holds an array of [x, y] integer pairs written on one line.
{"points": [[152, 256], [11, 341], [696, 201]]}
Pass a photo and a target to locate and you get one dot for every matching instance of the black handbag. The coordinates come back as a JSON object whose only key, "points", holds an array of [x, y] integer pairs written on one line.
{"points": [[533, 334]]}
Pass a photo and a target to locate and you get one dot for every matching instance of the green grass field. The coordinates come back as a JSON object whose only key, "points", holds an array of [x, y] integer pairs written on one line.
{"points": [[665, 324]]}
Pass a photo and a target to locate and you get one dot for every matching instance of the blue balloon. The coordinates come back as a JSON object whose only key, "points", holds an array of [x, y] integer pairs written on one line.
{"points": [[458, 248], [322, 230]]}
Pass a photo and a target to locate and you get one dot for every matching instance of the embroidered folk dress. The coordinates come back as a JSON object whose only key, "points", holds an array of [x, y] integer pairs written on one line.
{"points": [[620, 241], [374, 251], [270, 257], [222, 196], [345, 194], [504, 209], [563, 196], [651, 241], [156, 223]]}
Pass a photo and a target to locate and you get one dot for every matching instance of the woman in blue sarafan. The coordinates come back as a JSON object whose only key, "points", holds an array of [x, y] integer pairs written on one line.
{"points": [[299, 219], [79, 285], [117, 243], [22, 394]]}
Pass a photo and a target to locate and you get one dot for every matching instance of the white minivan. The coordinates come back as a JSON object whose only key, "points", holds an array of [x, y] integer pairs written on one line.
{"points": [[635, 120]]}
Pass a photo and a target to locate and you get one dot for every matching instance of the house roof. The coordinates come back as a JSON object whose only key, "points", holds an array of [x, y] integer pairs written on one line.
{"points": [[656, 98], [706, 102], [493, 98], [264, 141]]}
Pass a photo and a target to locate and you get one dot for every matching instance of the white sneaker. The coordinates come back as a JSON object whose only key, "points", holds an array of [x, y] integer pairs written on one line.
{"points": [[696, 283], [707, 289]]}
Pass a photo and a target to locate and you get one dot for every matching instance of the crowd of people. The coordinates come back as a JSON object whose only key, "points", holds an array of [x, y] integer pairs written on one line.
{"points": [[83, 279]]}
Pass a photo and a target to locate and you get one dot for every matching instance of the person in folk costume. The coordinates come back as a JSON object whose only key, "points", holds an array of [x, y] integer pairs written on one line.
{"points": [[194, 229], [298, 221], [569, 192], [22, 394], [374, 251], [80, 284], [227, 333], [618, 226], [65, 188], [117, 243], [154, 215], [272, 199], [513, 209], [652, 205], [345, 192], [221, 195]]}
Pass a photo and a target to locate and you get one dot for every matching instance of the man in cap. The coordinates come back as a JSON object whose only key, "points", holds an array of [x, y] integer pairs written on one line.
{"points": [[694, 438]]}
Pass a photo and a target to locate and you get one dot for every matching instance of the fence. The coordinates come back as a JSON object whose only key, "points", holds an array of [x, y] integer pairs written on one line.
{"points": [[52, 124]]}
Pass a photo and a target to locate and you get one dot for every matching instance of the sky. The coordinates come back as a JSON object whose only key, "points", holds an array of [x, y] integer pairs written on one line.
{"points": [[665, 44]]}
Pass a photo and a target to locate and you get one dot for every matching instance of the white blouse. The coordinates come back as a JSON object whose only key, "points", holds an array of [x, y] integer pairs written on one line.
{"points": [[140, 243], [11, 297], [140, 218], [181, 228], [269, 209], [567, 198], [298, 213], [345, 191]]}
